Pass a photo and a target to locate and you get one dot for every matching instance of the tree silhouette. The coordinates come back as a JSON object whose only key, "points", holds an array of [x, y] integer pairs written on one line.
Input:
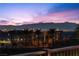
{"points": [[77, 33], [75, 37]]}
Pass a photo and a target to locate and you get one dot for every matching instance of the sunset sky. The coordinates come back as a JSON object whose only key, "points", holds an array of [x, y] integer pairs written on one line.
{"points": [[28, 13]]}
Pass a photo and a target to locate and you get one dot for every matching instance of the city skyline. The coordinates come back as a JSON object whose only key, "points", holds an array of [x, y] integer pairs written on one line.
{"points": [[28, 13]]}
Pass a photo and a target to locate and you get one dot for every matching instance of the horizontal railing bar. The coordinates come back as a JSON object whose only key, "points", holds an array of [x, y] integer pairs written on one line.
{"points": [[62, 49], [31, 53]]}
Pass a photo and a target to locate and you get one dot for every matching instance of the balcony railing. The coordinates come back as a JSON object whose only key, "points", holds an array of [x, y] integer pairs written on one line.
{"points": [[65, 51]]}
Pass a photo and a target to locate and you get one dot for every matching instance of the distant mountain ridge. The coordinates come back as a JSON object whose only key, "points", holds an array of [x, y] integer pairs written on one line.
{"points": [[60, 26]]}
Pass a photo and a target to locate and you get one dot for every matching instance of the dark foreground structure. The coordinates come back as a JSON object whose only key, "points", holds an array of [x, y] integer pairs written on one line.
{"points": [[30, 42], [65, 51]]}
